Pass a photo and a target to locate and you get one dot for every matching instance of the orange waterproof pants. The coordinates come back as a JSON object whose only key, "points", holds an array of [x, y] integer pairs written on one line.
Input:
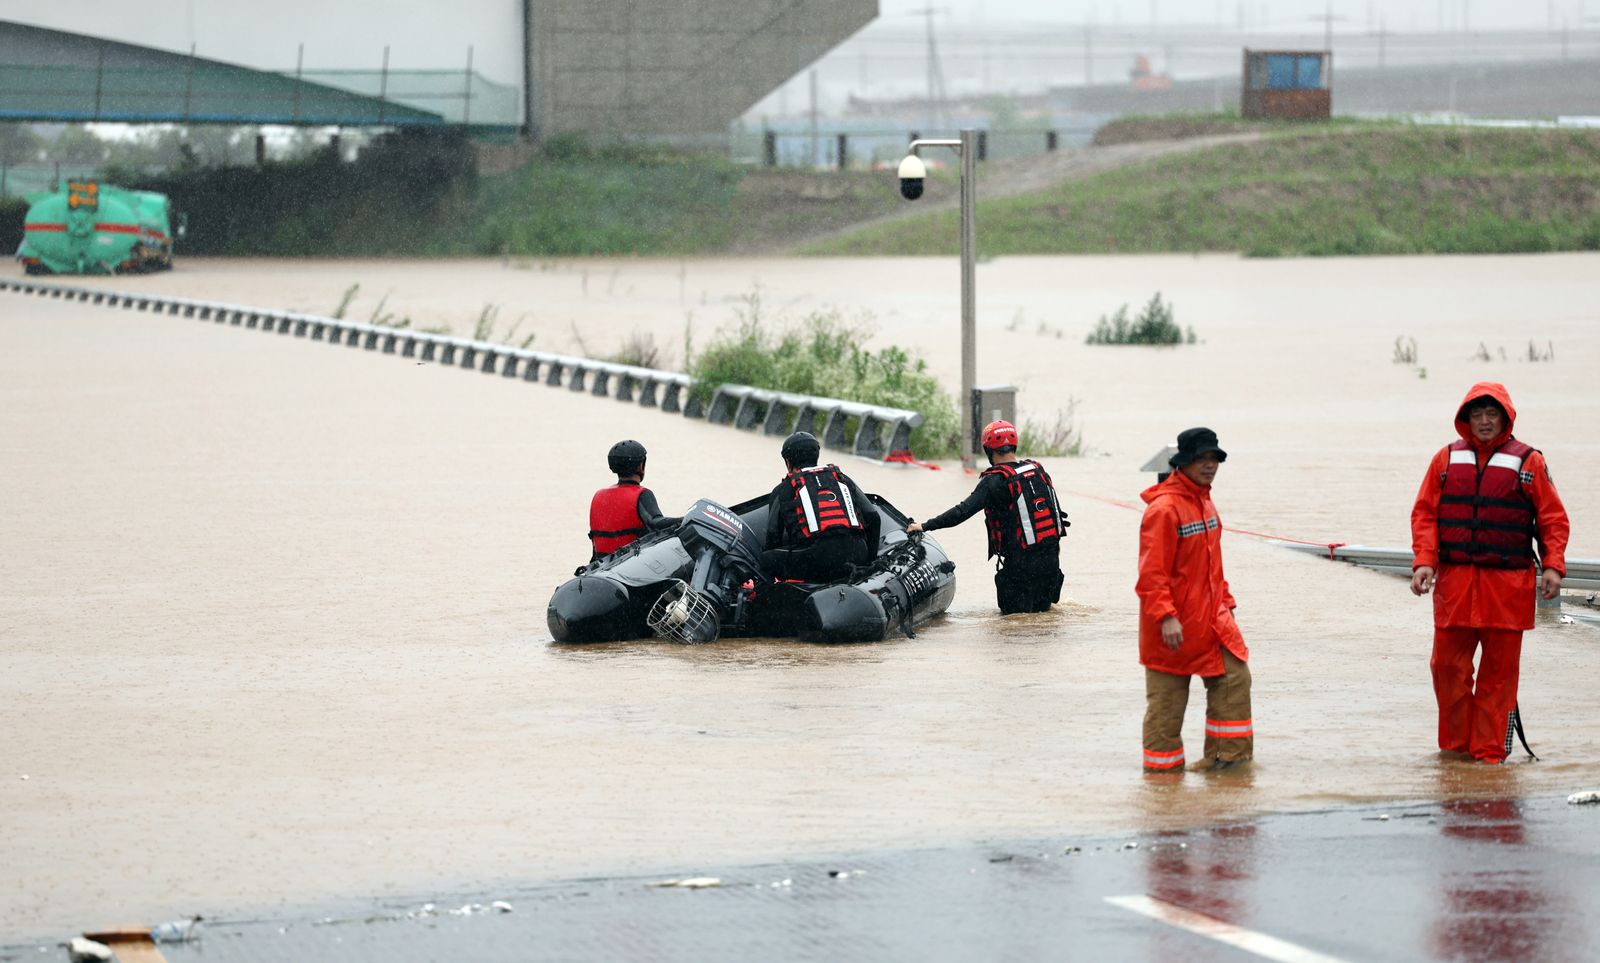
{"points": [[1230, 732], [1476, 720]]}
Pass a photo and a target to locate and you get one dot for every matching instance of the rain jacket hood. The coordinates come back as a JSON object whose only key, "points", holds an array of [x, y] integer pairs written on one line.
{"points": [[1499, 395]]}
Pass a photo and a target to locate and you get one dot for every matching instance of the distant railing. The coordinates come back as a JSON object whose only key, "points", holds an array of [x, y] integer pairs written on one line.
{"points": [[1582, 573], [833, 147], [871, 431]]}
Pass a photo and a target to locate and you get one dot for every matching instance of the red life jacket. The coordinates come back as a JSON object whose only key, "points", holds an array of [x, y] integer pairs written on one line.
{"points": [[614, 517], [1484, 516], [822, 502], [1031, 515]]}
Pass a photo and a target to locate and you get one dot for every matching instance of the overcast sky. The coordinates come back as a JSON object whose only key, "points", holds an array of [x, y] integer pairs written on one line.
{"points": [[426, 34]]}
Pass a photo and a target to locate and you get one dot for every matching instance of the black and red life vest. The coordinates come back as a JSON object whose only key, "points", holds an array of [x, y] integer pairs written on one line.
{"points": [[1485, 518], [1031, 515], [822, 503], [614, 517]]}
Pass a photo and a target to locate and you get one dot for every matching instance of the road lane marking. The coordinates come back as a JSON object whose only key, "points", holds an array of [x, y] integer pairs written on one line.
{"points": [[1250, 941]]}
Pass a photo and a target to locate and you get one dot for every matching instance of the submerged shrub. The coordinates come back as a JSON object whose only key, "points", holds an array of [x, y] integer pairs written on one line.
{"points": [[1154, 325], [1046, 439], [825, 354]]}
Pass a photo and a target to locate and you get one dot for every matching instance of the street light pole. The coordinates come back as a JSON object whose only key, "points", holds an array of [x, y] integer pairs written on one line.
{"points": [[969, 300], [967, 148]]}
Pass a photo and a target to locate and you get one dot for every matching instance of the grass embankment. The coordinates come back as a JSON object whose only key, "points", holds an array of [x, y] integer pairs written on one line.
{"points": [[1358, 189], [419, 194]]}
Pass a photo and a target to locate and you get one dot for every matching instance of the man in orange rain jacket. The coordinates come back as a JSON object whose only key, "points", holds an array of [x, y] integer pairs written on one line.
{"points": [[1186, 624], [1486, 503]]}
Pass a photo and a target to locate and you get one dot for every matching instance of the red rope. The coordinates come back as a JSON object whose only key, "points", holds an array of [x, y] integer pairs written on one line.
{"points": [[1330, 546]]}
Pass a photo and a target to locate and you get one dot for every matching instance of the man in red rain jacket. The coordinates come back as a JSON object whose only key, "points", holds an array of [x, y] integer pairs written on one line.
{"points": [[1486, 503], [1186, 624]]}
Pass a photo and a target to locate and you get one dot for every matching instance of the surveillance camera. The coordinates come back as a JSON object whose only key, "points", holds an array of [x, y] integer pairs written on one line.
{"points": [[912, 173]]}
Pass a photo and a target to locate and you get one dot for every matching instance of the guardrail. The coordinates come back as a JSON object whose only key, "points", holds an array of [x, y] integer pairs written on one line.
{"points": [[1582, 573], [870, 431]]}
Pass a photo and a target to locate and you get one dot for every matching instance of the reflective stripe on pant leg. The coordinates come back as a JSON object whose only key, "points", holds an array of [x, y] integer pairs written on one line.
{"points": [[1495, 695], [1166, 698], [1451, 665], [1230, 730]]}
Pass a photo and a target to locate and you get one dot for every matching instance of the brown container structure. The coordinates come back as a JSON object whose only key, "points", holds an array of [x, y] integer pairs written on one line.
{"points": [[1292, 84]]}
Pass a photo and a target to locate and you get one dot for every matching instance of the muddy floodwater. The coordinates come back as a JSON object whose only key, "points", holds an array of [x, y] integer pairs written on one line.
{"points": [[272, 613]]}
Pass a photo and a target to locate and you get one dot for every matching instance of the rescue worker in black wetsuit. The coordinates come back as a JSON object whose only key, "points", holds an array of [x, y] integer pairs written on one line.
{"points": [[620, 514], [1024, 521], [819, 524]]}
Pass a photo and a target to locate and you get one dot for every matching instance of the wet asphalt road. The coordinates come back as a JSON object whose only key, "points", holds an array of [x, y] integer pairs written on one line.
{"points": [[1460, 880]]}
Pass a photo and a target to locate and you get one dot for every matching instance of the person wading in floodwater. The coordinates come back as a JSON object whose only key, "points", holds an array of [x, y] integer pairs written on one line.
{"points": [[621, 513], [1186, 624], [1024, 522], [1486, 517]]}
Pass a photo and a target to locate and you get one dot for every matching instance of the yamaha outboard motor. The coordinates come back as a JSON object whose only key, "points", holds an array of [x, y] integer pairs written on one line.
{"points": [[726, 554]]}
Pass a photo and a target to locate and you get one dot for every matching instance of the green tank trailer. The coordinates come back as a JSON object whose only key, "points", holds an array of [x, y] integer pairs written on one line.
{"points": [[91, 228]]}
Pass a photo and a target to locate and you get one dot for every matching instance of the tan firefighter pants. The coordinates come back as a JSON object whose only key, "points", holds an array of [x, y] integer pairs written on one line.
{"points": [[1229, 733]]}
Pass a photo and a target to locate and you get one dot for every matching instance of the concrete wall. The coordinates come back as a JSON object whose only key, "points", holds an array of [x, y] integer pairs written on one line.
{"points": [[671, 70]]}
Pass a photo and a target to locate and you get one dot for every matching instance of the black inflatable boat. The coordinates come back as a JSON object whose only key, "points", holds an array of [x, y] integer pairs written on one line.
{"points": [[701, 579]]}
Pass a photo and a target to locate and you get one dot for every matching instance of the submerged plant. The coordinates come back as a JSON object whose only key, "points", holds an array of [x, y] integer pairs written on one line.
{"points": [[825, 354], [1062, 437], [1154, 325]]}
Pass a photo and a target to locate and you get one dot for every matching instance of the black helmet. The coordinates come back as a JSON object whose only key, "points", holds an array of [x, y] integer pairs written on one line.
{"points": [[802, 449], [626, 457]]}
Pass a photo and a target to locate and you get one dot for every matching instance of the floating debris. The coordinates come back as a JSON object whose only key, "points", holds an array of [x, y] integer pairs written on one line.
{"points": [[177, 931], [501, 906], [1071, 849], [1584, 798], [692, 882], [1130, 845], [84, 950], [839, 873]]}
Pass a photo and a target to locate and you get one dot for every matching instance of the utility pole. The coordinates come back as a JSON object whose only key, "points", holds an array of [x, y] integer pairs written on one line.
{"points": [[1327, 26], [935, 72], [1088, 55], [812, 160]]}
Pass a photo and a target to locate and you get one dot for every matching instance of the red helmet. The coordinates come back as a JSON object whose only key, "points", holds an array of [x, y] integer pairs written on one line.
{"points": [[999, 434]]}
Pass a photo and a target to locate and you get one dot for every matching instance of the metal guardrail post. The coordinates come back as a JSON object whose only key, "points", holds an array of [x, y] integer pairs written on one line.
{"points": [[751, 408], [900, 435], [868, 442], [777, 420], [833, 430], [719, 410]]}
